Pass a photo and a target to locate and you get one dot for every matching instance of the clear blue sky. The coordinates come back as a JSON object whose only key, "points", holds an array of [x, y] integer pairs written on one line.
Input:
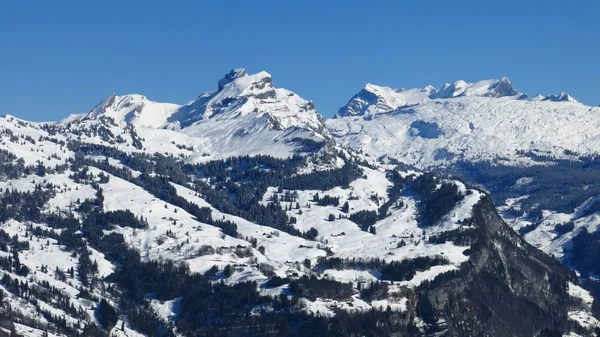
{"points": [[61, 57]]}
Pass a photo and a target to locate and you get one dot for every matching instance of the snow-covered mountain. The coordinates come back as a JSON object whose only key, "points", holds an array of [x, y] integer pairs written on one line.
{"points": [[246, 115], [374, 99], [487, 120], [126, 235], [536, 155], [134, 109], [195, 219], [239, 95]]}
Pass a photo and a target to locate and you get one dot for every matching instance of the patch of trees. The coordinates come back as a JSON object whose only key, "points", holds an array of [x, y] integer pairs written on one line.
{"points": [[276, 281], [106, 315], [24, 206], [312, 288], [324, 180], [375, 291], [459, 237], [564, 228], [123, 218], [435, 202], [11, 167], [399, 183], [406, 269], [585, 252], [44, 292], [306, 144], [557, 187], [364, 219], [326, 200], [392, 271]]}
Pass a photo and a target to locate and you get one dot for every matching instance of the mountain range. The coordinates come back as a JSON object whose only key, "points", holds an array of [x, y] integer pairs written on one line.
{"points": [[468, 210]]}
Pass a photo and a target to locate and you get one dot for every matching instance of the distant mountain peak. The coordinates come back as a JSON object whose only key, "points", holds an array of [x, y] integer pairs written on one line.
{"points": [[372, 99], [428, 89], [486, 88], [562, 97], [503, 88], [231, 75], [377, 99], [245, 111], [250, 96], [133, 108]]}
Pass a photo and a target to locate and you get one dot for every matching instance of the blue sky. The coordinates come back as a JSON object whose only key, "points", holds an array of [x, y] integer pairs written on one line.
{"points": [[61, 57]]}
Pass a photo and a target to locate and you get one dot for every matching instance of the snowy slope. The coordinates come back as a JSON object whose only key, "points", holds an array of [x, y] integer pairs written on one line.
{"points": [[239, 96], [442, 131], [374, 99], [242, 95], [135, 109], [246, 115]]}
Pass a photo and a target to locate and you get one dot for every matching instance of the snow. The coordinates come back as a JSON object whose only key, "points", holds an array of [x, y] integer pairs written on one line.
{"points": [[318, 308], [427, 275], [135, 109], [374, 99], [349, 275], [167, 309], [247, 115], [579, 292], [24, 330], [394, 306], [154, 243], [250, 94], [472, 128], [544, 236], [584, 318]]}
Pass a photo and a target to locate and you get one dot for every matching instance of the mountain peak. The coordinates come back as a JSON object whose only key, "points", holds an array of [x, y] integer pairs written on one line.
{"points": [[133, 108], [376, 99], [253, 95], [562, 97], [230, 76], [485, 88], [114, 102], [450, 90], [372, 99]]}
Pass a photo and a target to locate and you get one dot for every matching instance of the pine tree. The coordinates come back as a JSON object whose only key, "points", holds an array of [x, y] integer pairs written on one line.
{"points": [[346, 207]]}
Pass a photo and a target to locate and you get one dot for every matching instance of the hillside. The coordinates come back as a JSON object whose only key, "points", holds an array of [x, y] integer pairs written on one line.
{"points": [[153, 219]]}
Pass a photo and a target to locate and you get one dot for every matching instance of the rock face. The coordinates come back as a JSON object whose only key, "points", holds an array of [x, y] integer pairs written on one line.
{"points": [[373, 99], [562, 97], [503, 88], [230, 76], [506, 283]]}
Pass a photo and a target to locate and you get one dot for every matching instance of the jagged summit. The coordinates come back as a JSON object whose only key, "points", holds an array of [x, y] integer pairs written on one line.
{"points": [[253, 95], [376, 99], [486, 88], [562, 97], [232, 75], [238, 94], [486, 120], [240, 116]]}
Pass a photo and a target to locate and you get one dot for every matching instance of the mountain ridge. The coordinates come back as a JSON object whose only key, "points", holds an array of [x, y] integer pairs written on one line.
{"points": [[217, 217]]}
